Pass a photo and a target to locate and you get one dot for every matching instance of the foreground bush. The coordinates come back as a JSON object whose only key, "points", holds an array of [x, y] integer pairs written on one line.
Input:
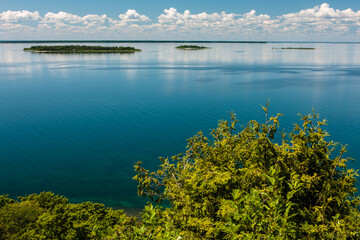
{"points": [[248, 184], [47, 216]]}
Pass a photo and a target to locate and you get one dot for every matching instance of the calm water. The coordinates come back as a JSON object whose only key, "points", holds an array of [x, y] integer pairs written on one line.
{"points": [[76, 124]]}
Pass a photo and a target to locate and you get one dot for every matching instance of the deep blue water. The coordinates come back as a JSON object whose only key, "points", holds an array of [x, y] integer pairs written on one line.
{"points": [[76, 124]]}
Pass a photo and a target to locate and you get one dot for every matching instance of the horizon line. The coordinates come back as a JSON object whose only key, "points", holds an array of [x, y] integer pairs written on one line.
{"points": [[162, 41]]}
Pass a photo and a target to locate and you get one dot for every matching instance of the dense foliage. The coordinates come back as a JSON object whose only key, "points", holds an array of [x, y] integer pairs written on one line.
{"points": [[245, 185], [47, 216], [80, 49], [250, 184]]}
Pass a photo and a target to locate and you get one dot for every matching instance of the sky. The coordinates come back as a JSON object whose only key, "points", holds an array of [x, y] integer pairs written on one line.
{"points": [[238, 20]]}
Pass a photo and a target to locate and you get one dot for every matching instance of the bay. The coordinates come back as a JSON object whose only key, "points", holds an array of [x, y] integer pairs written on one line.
{"points": [[76, 124]]}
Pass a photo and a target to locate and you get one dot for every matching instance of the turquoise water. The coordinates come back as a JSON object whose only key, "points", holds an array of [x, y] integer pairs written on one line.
{"points": [[76, 124]]}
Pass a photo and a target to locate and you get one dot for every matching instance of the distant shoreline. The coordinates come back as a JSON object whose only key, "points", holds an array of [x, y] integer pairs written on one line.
{"points": [[123, 41], [160, 41]]}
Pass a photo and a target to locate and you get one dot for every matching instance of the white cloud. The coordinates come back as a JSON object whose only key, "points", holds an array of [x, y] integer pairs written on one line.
{"points": [[132, 16], [320, 20], [217, 23], [61, 17], [172, 16], [322, 12], [127, 20], [90, 23], [68, 18], [16, 16]]}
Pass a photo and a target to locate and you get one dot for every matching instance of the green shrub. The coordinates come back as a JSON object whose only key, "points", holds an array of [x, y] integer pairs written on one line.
{"points": [[246, 185], [155, 224], [49, 216], [4, 200], [17, 218]]}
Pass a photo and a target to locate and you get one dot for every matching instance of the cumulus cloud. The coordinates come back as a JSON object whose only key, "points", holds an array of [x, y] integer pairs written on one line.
{"points": [[129, 19], [318, 19], [221, 23], [63, 17], [132, 16], [92, 23], [173, 16], [16, 16], [322, 20], [322, 12]]}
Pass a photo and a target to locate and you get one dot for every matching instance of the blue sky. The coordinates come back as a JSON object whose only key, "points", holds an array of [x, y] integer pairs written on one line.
{"points": [[156, 7], [181, 20]]}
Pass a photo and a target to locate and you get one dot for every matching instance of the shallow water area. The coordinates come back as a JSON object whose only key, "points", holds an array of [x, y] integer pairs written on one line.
{"points": [[76, 124]]}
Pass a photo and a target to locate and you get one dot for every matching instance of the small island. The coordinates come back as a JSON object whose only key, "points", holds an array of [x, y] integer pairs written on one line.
{"points": [[80, 49], [191, 47], [297, 48]]}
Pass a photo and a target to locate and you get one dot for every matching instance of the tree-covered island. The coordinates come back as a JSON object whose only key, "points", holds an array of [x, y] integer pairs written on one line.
{"points": [[80, 49], [191, 47]]}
